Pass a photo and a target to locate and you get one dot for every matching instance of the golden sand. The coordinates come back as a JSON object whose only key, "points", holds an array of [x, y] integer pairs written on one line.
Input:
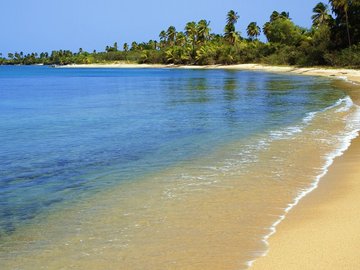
{"points": [[323, 230]]}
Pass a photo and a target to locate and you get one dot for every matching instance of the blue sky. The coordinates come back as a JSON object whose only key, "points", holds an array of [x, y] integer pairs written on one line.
{"points": [[44, 25]]}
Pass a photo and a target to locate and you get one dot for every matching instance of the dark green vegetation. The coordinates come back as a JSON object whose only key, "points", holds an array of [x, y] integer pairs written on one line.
{"points": [[333, 40]]}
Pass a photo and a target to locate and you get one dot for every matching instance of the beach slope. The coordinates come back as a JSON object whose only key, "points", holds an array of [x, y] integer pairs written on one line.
{"points": [[323, 230]]}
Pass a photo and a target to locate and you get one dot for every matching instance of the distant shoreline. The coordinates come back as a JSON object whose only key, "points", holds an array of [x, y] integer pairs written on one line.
{"points": [[337, 73]]}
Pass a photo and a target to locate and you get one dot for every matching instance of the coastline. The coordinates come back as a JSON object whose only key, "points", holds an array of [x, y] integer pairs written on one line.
{"points": [[337, 73], [322, 230]]}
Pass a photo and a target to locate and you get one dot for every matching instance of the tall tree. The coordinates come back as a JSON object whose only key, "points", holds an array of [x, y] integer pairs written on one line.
{"points": [[321, 14], [232, 17], [162, 37], [134, 46], [171, 34], [230, 33], [282, 30], [253, 30], [343, 5], [180, 39], [191, 33], [126, 47], [203, 30]]}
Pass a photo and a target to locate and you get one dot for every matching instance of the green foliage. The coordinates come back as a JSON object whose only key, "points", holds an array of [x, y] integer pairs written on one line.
{"points": [[253, 30], [349, 57], [206, 55], [346, 29], [152, 56], [178, 55], [171, 35], [282, 30], [230, 33], [326, 43], [321, 15]]}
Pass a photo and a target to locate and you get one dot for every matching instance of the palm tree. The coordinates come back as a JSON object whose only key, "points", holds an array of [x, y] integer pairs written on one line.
{"points": [[162, 37], [266, 28], [253, 30], [151, 44], [321, 14], [191, 33], [134, 46], [171, 34], [180, 39], [203, 30], [343, 5], [230, 34], [126, 47], [232, 17]]}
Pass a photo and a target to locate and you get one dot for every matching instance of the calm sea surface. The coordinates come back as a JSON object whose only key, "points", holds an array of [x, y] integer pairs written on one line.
{"points": [[157, 168]]}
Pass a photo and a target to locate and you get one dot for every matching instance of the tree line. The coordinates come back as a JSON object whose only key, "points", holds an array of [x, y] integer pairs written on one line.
{"points": [[333, 40]]}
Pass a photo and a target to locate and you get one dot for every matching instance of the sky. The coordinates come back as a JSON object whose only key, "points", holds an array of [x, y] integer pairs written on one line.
{"points": [[46, 25]]}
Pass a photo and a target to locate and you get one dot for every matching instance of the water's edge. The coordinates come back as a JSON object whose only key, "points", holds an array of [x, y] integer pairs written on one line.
{"points": [[330, 160]]}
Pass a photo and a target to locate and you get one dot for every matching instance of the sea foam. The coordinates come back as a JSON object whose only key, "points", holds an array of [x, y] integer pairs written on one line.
{"points": [[351, 132]]}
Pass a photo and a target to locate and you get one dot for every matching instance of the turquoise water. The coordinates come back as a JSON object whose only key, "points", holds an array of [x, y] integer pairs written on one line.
{"points": [[69, 133]]}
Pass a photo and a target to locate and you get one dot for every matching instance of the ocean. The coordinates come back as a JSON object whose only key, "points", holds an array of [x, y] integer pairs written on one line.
{"points": [[158, 168]]}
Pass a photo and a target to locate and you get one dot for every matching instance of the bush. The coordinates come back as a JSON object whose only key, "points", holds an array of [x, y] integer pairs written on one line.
{"points": [[349, 57]]}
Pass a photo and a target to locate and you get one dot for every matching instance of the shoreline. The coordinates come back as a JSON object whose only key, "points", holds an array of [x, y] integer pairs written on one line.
{"points": [[311, 232], [322, 230], [312, 223], [337, 73]]}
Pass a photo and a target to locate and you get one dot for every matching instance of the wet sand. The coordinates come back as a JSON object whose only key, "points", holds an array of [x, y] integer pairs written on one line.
{"points": [[323, 230]]}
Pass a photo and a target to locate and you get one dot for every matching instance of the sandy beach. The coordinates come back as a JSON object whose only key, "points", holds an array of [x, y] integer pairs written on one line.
{"points": [[322, 231], [348, 74]]}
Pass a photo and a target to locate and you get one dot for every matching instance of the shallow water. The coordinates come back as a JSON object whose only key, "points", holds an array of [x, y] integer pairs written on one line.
{"points": [[157, 168]]}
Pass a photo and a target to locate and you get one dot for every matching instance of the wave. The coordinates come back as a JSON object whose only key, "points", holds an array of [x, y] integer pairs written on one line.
{"points": [[352, 131], [292, 130]]}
